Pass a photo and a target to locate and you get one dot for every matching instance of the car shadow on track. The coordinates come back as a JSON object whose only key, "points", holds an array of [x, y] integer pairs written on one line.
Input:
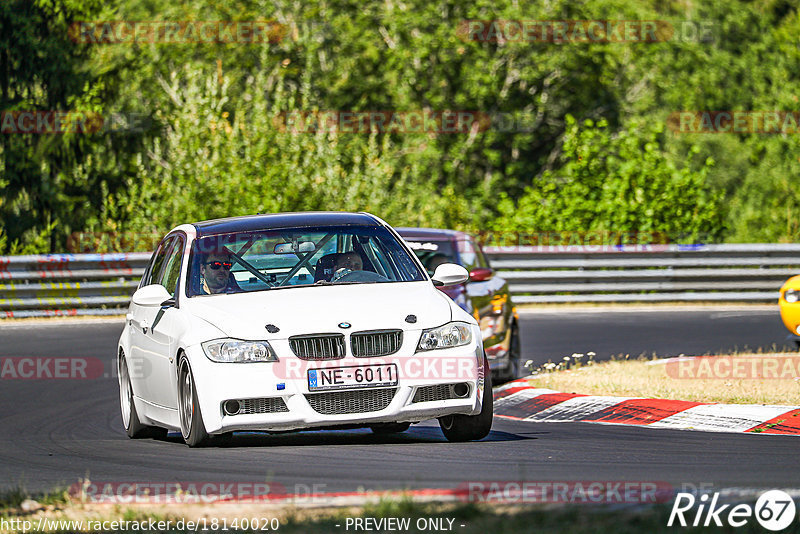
{"points": [[415, 434]]}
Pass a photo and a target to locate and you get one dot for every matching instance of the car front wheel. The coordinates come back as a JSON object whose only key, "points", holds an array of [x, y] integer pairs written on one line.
{"points": [[472, 427], [192, 428]]}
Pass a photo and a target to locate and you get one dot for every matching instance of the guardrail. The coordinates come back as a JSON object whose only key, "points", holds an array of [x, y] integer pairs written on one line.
{"points": [[646, 273], [69, 284], [101, 284]]}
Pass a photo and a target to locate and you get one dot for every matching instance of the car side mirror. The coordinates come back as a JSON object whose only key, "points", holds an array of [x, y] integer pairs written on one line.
{"points": [[449, 274], [480, 274], [152, 295]]}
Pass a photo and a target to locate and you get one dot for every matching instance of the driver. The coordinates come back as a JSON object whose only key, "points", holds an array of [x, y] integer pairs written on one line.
{"points": [[346, 263], [215, 274]]}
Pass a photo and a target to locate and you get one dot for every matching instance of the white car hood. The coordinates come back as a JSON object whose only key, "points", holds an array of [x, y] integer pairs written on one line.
{"points": [[309, 310]]}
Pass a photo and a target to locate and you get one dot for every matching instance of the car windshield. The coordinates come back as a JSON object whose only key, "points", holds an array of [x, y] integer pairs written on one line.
{"points": [[292, 257], [432, 252]]}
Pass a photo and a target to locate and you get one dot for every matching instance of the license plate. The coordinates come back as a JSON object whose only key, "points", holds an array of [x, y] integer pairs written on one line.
{"points": [[356, 376]]}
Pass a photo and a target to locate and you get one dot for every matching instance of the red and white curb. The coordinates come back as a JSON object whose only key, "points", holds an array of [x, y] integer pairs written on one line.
{"points": [[522, 400]]}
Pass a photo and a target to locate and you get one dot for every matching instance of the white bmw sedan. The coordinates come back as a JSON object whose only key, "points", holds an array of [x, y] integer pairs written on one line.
{"points": [[298, 321]]}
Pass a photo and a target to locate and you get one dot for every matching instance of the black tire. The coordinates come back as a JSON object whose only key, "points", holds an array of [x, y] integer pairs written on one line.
{"points": [[130, 419], [472, 427], [192, 428], [389, 428], [514, 357]]}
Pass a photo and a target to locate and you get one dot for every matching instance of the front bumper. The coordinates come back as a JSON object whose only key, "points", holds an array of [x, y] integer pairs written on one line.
{"points": [[790, 311], [287, 380]]}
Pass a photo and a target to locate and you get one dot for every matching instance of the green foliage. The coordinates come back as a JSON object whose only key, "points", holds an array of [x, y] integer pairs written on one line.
{"points": [[767, 204], [213, 163], [621, 182], [35, 241], [41, 69], [213, 147]]}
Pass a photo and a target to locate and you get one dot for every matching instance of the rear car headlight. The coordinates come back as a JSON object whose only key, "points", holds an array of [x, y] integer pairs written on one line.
{"points": [[791, 295], [238, 351], [445, 337]]}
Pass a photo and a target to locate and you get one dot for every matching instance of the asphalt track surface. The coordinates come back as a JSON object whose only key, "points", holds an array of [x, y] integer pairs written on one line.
{"points": [[551, 335], [53, 432]]}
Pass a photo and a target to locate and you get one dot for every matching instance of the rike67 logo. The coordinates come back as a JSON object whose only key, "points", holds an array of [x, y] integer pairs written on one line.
{"points": [[774, 510]]}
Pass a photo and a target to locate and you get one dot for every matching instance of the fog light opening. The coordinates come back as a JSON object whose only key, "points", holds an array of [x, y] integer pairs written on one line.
{"points": [[797, 330], [232, 407], [461, 390]]}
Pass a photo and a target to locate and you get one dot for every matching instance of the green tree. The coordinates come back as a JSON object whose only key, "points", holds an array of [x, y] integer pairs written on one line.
{"points": [[210, 103], [616, 182], [41, 69]]}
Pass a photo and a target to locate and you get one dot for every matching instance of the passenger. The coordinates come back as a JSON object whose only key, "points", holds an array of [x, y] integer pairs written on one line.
{"points": [[346, 263], [215, 274]]}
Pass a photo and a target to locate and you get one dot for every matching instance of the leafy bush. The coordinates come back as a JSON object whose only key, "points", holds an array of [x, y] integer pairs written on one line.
{"points": [[617, 182], [213, 163], [212, 148]]}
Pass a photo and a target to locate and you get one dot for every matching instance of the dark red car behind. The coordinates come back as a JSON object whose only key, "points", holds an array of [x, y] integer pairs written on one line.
{"points": [[485, 295]]}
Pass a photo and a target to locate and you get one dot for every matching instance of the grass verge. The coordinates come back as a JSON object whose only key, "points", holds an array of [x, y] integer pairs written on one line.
{"points": [[734, 379]]}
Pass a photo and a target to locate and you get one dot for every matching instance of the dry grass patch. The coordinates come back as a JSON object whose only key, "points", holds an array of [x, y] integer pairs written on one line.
{"points": [[724, 379]]}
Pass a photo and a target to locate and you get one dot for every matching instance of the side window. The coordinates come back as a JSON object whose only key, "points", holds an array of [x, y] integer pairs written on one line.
{"points": [[172, 271], [153, 274]]}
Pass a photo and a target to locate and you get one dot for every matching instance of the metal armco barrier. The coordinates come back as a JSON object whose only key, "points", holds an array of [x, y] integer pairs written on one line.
{"points": [[69, 284], [101, 284], [646, 273]]}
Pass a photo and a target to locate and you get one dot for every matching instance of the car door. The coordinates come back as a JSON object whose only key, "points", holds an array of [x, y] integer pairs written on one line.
{"points": [[139, 319], [160, 340]]}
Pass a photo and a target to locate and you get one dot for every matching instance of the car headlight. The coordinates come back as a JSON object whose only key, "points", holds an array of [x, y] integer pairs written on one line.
{"points": [[238, 351], [445, 337], [791, 295]]}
